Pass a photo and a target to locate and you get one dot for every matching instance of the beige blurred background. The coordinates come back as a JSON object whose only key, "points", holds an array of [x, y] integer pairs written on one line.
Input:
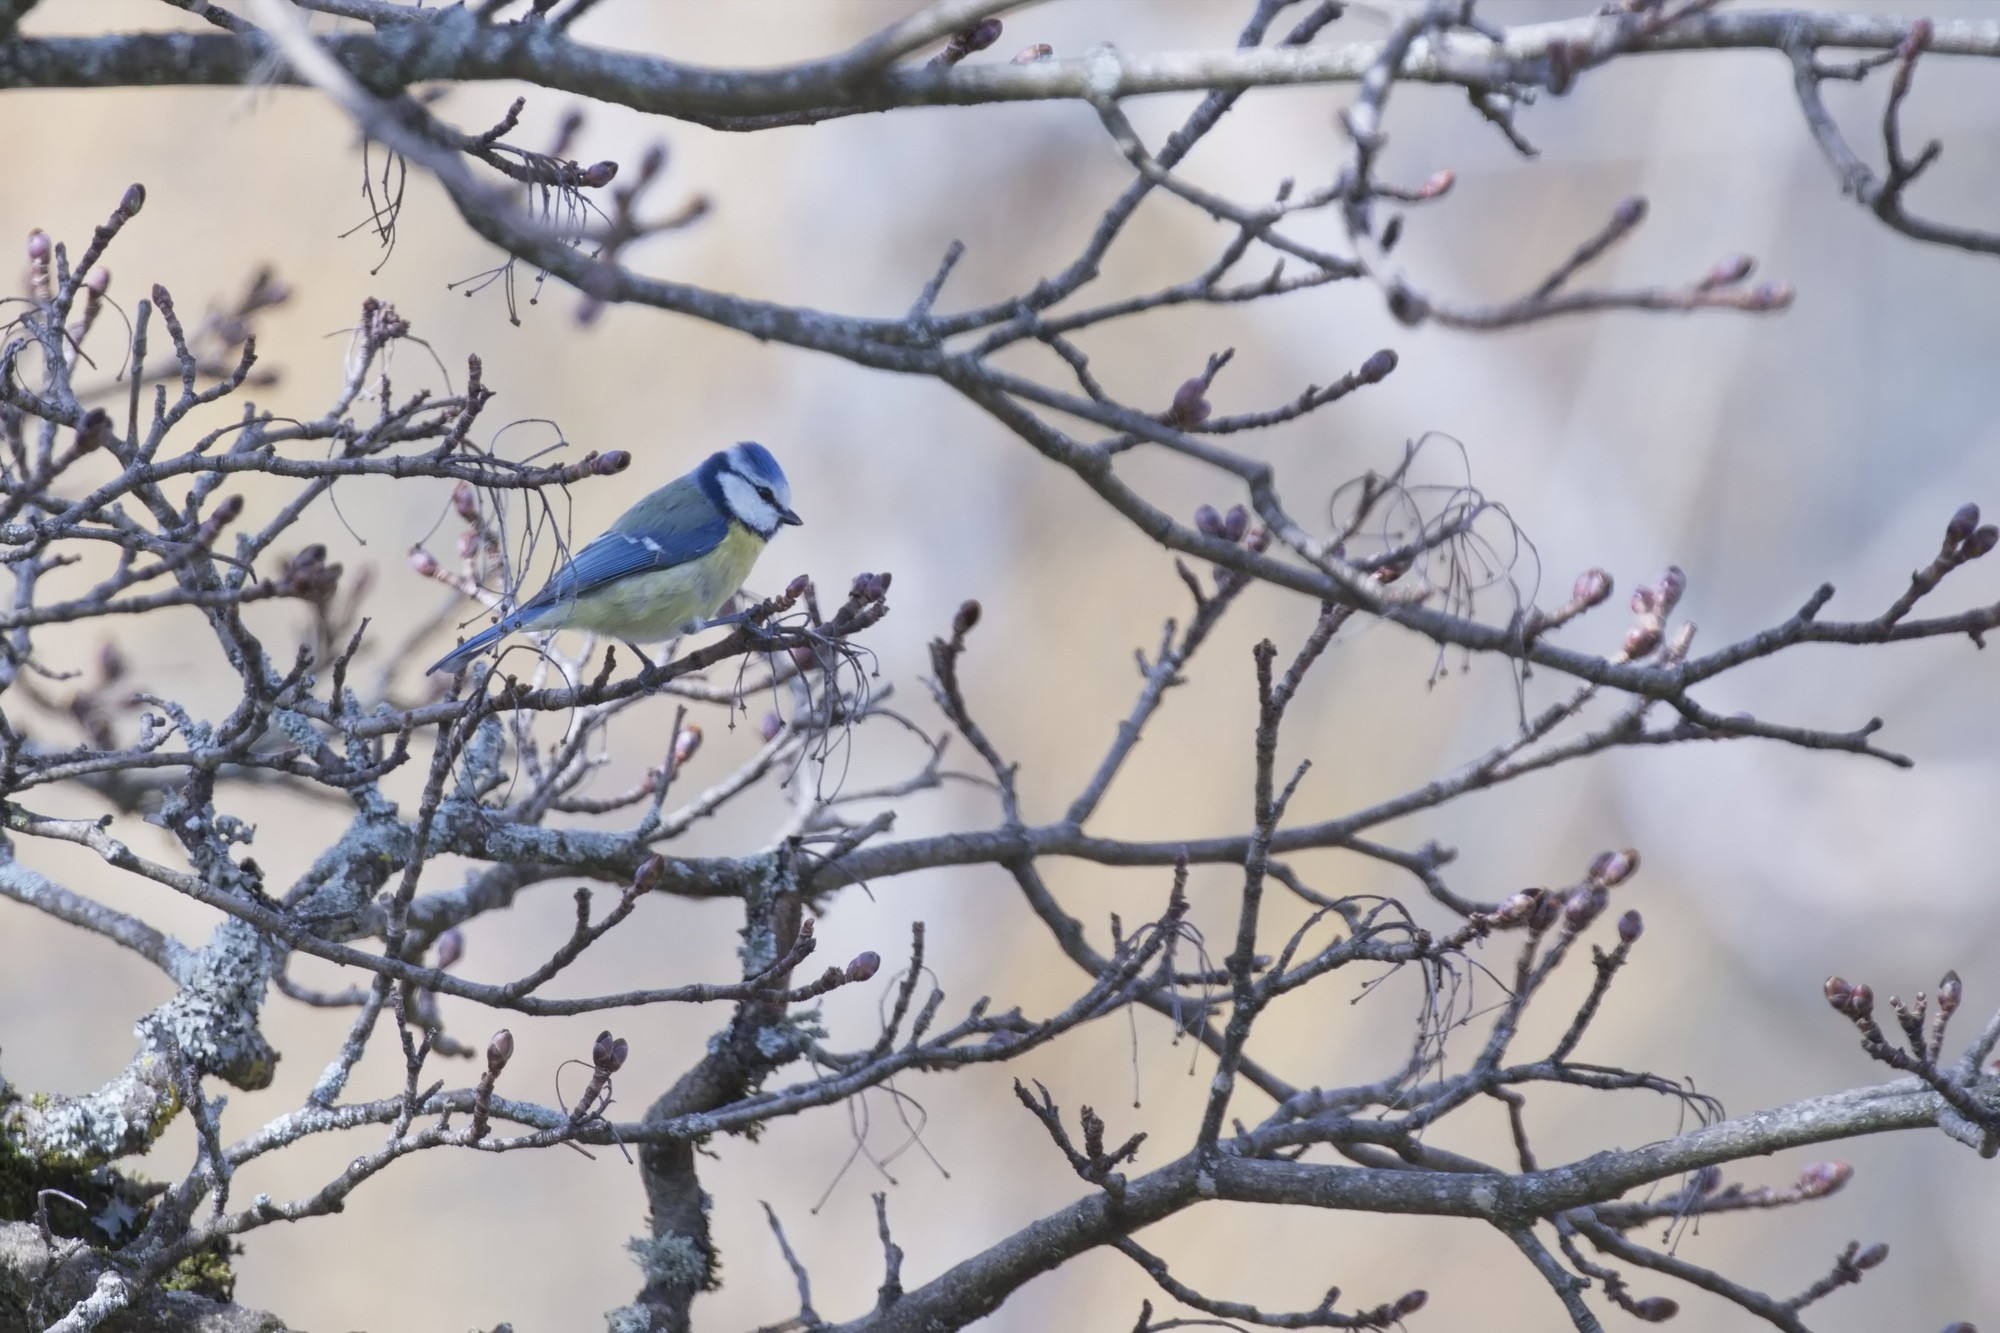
{"points": [[1763, 455]]}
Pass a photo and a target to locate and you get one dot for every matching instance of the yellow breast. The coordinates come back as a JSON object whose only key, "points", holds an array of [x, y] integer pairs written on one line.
{"points": [[647, 608]]}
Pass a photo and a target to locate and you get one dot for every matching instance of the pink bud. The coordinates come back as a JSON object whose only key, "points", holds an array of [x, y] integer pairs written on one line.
{"points": [[499, 1051], [1963, 521], [864, 966], [1950, 992], [1630, 927], [611, 461], [38, 246], [1208, 520], [1592, 587], [967, 616], [1670, 587], [1980, 542], [1728, 272], [686, 743], [1584, 905], [450, 948], [598, 175], [607, 1053], [1872, 1256], [770, 726], [1823, 1178], [1038, 52], [423, 562], [1640, 640]]}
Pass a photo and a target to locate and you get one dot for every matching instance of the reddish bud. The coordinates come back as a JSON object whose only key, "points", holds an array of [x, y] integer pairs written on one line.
{"points": [[1378, 367], [770, 726], [1410, 1302], [1980, 542], [1630, 927], [1654, 1309], [499, 1051], [227, 512], [611, 461], [99, 281], [1823, 1178], [607, 1053], [1613, 868], [134, 200], [465, 501], [1235, 523], [1960, 1326], [864, 966], [1548, 907], [1517, 907], [1861, 1000], [1950, 992], [1963, 521], [1629, 213], [450, 948], [1258, 540], [597, 175], [38, 246], [686, 743], [1584, 905], [423, 562], [1838, 992], [1592, 587], [1640, 640], [966, 618], [1440, 183], [1872, 1257], [1039, 51], [1208, 520], [1669, 589], [1706, 1181]]}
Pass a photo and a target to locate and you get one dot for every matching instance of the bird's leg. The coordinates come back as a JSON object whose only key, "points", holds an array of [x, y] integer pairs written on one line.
{"points": [[645, 663]]}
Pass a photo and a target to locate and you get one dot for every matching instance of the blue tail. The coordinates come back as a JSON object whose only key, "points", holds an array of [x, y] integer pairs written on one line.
{"points": [[475, 645]]}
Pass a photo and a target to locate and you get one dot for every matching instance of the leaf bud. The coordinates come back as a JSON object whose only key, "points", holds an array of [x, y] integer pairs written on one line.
{"points": [[1728, 272], [1980, 542], [1950, 991], [450, 948], [1670, 587], [686, 742], [1630, 212], [38, 246], [966, 618], [608, 1053], [864, 966], [1838, 992], [1235, 523], [1547, 908], [423, 562], [1208, 520], [770, 726], [1631, 926], [1872, 1257], [1039, 51], [134, 200], [1378, 367], [499, 1051], [1654, 1309], [980, 35], [1190, 406], [1593, 586], [1641, 640], [1410, 1302], [1584, 905], [1706, 1181], [1613, 868], [1861, 1001], [1769, 296], [1823, 1178], [1963, 521], [611, 461], [597, 175], [1517, 907], [1439, 183]]}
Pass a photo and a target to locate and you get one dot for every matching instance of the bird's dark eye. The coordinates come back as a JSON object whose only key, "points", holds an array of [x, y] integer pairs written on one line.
{"points": [[765, 492]]}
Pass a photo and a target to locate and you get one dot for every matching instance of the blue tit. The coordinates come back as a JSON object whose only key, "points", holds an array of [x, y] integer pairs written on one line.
{"points": [[668, 564]]}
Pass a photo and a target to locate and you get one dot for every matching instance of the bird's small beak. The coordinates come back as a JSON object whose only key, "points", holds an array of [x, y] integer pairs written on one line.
{"points": [[789, 519]]}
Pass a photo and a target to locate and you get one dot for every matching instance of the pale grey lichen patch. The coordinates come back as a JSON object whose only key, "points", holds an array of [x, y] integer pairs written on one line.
{"points": [[670, 1261]]}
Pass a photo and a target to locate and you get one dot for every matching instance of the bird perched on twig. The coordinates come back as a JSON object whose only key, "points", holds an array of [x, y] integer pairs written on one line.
{"points": [[668, 564]]}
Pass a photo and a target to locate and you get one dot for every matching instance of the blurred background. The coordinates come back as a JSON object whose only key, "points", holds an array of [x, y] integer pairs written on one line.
{"points": [[1763, 454]]}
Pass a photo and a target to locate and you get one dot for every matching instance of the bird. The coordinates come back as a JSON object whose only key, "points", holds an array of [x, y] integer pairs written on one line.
{"points": [[668, 564]]}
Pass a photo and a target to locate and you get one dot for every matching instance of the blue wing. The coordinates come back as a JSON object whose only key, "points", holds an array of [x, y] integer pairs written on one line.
{"points": [[618, 555], [670, 527]]}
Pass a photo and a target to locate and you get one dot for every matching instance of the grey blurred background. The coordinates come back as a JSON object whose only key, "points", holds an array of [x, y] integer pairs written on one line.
{"points": [[1762, 454]]}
